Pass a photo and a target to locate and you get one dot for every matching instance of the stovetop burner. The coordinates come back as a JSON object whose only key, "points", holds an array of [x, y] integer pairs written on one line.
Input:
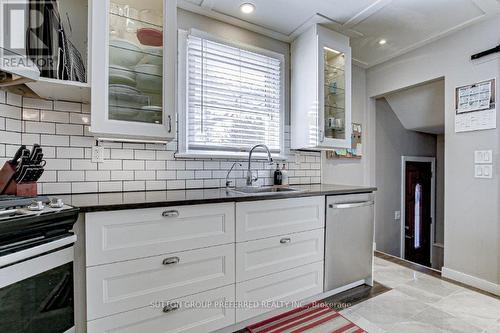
{"points": [[11, 201], [27, 220]]}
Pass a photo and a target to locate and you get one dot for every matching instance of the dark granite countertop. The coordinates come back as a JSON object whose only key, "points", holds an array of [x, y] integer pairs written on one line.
{"points": [[95, 202]]}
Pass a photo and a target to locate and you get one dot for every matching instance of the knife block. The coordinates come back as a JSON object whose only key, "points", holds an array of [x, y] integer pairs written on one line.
{"points": [[9, 186]]}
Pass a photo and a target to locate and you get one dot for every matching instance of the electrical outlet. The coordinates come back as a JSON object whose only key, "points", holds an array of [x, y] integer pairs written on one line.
{"points": [[97, 154], [397, 215]]}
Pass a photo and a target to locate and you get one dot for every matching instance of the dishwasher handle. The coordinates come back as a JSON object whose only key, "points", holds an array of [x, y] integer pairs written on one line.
{"points": [[352, 205]]}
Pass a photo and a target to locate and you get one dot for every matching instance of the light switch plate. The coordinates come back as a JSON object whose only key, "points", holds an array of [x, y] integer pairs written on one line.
{"points": [[483, 171], [483, 156], [397, 215]]}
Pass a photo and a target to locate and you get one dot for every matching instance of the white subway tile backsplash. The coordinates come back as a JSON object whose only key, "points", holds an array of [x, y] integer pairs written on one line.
{"points": [[63, 152], [97, 175], [54, 140], [62, 129], [54, 116], [70, 176], [122, 154], [145, 175], [155, 165], [110, 186], [10, 137], [30, 139], [110, 165], [156, 185], [39, 127], [31, 114], [69, 129], [134, 185], [10, 111], [122, 175], [13, 125], [34, 103], [133, 165], [144, 155], [67, 106], [86, 187], [83, 165]]}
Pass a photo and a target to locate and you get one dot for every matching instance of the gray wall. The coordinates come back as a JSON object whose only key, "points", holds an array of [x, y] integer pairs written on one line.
{"points": [[472, 214], [392, 142]]}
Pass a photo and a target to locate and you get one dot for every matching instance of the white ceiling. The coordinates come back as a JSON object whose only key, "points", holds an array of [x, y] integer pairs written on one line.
{"points": [[405, 24], [420, 108]]}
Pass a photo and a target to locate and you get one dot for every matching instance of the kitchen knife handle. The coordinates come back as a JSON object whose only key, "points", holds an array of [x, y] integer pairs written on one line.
{"points": [[18, 154]]}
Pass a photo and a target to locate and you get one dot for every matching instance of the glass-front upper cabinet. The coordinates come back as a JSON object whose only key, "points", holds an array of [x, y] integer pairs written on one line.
{"points": [[134, 48], [321, 90]]}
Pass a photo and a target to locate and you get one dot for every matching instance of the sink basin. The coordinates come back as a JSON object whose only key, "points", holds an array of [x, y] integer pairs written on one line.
{"points": [[263, 190]]}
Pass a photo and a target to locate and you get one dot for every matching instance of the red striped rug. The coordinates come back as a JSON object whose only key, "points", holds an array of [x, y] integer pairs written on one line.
{"points": [[314, 317]]}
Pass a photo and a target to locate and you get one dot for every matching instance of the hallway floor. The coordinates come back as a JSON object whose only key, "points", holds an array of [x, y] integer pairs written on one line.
{"points": [[420, 302]]}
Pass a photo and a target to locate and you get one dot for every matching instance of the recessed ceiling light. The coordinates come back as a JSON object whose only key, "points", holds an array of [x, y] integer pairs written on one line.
{"points": [[247, 8], [382, 42]]}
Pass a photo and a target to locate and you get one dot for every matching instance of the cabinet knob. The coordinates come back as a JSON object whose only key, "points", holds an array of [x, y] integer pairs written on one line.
{"points": [[170, 213], [171, 307], [285, 240], [171, 261]]}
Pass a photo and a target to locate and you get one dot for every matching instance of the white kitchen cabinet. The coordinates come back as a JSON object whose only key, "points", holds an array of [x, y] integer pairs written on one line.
{"points": [[134, 50], [269, 218], [321, 90], [137, 283], [272, 255], [290, 285], [138, 233], [182, 319]]}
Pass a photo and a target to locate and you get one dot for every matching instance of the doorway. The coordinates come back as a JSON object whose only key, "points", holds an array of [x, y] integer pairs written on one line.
{"points": [[418, 209]]}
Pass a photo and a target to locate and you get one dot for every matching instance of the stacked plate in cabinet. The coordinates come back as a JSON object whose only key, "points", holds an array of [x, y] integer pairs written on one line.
{"points": [[135, 70]]}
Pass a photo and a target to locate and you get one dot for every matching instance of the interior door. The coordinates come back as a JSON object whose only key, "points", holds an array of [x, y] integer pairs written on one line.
{"points": [[418, 218]]}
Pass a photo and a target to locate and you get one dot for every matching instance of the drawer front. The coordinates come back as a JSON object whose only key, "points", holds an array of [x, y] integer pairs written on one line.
{"points": [[272, 255], [291, 285], [137, 283], [268, 218], [185, 319], [132, 234]]}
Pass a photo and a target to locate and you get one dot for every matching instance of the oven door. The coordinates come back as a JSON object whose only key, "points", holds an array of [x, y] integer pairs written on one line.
{"points": [[36, 290]]}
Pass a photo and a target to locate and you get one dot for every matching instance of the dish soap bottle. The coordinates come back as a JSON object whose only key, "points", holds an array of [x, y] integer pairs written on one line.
{"points": [[284, 175], [278, 176]]}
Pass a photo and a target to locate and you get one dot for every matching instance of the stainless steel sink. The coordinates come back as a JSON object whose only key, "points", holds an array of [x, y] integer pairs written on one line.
{"points": [[263, 190]]}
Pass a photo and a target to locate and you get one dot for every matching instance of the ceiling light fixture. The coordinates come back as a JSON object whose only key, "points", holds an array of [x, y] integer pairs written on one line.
{"points": [[382, 42], [247, 8]]}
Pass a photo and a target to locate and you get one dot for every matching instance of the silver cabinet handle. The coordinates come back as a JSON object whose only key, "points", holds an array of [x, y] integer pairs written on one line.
{"points": [[171, 261], [285, 240], [170, 213], [352, 205], [171, 307]]}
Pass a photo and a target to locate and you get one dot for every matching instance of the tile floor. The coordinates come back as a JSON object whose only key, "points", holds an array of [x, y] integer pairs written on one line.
{"points": [[423, 303]]}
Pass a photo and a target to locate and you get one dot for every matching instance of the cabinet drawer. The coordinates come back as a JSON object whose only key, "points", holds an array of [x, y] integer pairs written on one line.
{"points": [[272, 255], [137, 283], [276, 217], [186, 319], [291, 285], [131, 234]]}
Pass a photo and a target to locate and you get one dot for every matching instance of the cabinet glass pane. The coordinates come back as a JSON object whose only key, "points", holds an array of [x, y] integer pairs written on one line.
{"points": [[136, 61], [334, 94]]}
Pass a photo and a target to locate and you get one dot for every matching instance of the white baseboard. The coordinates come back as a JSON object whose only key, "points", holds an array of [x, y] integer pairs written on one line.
{"points": [[471, 281]]}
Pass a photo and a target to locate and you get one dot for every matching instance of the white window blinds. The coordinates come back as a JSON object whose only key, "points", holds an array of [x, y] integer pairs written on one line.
{"points": [[233, 97]]}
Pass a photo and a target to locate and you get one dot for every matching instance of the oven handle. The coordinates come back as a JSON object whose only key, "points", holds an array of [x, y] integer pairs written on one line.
{"points": [[36, 251]]}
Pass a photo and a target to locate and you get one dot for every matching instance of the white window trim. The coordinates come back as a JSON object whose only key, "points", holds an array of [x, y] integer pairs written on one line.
{"points": [[182, 142]]}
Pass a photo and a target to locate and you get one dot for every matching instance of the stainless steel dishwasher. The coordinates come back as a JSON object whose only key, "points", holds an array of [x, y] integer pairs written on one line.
{"points": [[349, 241]]}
